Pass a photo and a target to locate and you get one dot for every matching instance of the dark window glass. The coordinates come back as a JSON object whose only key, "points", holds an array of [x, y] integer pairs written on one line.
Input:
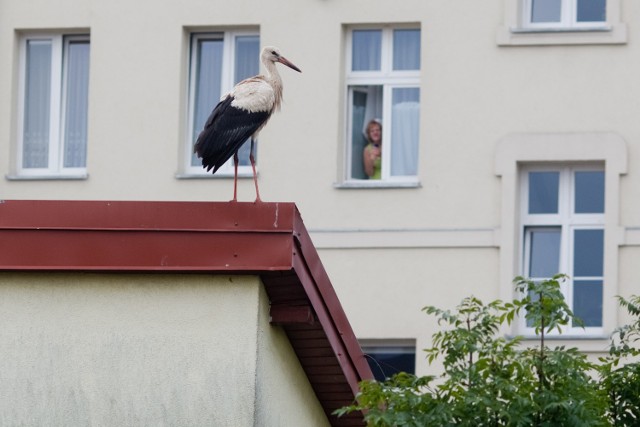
{"points": [[592, 11], [588, 253], [587, 301], [386, 361], [543, 192], [589, 194], [544, 252]]}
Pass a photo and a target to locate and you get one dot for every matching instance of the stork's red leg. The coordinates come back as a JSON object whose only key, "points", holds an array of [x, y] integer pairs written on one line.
{"points": [[255, 175], [235, 177]]}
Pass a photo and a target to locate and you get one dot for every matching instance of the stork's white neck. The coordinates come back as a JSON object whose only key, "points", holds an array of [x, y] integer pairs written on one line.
{"points": [[273, 78]]}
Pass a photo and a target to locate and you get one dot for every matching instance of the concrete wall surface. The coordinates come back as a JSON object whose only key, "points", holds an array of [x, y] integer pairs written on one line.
{"points": [[145, 350]]}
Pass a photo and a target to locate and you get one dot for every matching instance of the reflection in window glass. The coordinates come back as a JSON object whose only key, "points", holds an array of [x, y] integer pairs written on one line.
{"points": [[406, 49], [588, 253], [546, 10], [543, 192], [589, 194], [544, 251], [592, 10], [385, 361], [405, 121], [366, 48], [587, 301]]}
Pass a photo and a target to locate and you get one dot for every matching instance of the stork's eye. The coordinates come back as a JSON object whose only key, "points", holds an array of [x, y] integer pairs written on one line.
{"points": [[273, 52]]}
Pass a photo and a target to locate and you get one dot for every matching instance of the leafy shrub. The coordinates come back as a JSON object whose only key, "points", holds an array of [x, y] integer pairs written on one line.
{"points": [[489, 380]]}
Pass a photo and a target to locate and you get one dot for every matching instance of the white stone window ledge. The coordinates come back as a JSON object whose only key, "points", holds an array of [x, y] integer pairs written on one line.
{"points": [[522, 36]]}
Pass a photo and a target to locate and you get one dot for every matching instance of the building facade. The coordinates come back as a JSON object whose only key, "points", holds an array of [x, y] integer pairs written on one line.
{"points": [[509, 137]]}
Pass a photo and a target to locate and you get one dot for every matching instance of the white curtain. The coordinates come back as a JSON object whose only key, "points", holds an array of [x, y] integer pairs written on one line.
{"points": [[406, 49], [37, 101], [405, 128], [207, 91], [366, 49], [77, 102]]}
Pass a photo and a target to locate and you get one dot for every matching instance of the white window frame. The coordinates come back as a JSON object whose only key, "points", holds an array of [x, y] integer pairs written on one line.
{"points": [[518, 30], [227, 82], [57, 107], [389, 79], [565, 220]]}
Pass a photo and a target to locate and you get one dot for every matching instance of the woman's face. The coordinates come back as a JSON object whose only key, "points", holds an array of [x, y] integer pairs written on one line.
{"points": [[375, 134]]}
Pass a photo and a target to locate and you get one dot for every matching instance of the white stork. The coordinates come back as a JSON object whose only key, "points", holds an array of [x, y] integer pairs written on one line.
{"points": [[240, 115]]}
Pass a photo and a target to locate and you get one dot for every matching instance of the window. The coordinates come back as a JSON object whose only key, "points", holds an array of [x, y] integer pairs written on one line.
{"points": [[563, 232], [383, 84], [565, 13], [53, 110], [528, 237], [388, 357], [218, 61], [552, 22]]}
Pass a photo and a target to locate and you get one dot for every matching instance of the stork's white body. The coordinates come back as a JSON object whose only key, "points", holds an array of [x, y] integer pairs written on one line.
{"points": [[256, 94], [240, 115]]}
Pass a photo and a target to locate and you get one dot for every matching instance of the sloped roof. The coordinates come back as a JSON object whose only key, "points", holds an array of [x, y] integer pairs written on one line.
{"points": [[266, 239]]}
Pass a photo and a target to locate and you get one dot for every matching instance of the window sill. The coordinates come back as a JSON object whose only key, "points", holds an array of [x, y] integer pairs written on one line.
{"points": [[589, 337], [47, 177], [517, 36], [364, 184]]}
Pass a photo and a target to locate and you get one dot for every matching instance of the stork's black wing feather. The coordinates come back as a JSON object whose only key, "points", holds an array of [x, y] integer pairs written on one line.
{"points": [[226, 129]]}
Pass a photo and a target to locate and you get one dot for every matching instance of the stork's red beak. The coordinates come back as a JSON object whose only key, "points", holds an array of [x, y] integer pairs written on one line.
{"points": [[289, 64]]}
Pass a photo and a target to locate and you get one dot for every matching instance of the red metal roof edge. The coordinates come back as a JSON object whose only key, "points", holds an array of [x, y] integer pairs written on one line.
{"points": [[147, 215], [102, 236], [145, 236], [338, 328]]}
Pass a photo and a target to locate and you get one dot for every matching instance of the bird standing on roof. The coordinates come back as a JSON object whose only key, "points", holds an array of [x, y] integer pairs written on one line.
{"points": [[240, 115]]}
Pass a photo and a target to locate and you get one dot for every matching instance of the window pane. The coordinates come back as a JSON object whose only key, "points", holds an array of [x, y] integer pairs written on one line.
{"points": [[366, 50], [592, 10], [386, 361], [77, 101], [546, 10], [588, 252], [544, 252], [37, 100], [543, 192], [208, 77], [405, 129], [406, 49], [587, 301], [358, 139], [366, 105], [589, 194], [247, 64]]}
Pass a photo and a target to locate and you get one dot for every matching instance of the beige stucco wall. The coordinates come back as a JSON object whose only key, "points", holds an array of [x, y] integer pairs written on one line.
{"points": [[133, 350], [284, 396], [474, 92]]}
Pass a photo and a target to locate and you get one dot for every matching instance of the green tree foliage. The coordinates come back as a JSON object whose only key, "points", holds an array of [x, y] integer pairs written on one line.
{"points": [[620, 371], [489, 380]]}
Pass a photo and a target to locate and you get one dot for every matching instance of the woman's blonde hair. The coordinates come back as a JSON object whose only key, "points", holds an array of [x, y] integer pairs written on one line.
{"points": [[372, 123]]}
